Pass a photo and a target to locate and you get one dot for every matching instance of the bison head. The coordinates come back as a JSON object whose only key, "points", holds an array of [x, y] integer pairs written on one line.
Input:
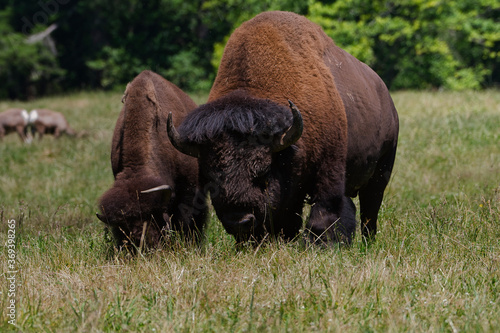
{"points": [[136, 217], [244, 148]]}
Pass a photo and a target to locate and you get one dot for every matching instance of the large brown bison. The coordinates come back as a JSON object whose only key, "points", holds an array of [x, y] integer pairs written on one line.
{"points": [[14, 120], [262, 156], [155, 188]]}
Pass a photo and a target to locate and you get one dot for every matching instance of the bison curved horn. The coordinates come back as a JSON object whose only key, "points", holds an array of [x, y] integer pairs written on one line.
{"points": [[185, 147], [101, 217], [158, 188], [165, 190], [293, 133]]}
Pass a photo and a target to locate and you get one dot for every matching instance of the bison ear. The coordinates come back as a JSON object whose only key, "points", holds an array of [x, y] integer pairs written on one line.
{"points": [[164, 189], [125, 93], [292, 134]]}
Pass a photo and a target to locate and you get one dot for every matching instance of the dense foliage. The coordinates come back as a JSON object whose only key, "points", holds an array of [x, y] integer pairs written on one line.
{"points": [[105, 43], [419, 43], [25, 68]]}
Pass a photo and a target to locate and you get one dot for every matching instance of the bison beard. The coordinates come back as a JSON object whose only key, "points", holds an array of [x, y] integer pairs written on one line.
{"points": [[347, 146]]}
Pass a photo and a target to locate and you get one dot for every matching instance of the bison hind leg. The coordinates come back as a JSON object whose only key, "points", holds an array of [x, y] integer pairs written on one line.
{"points": [[371, 195], [348, 220]]}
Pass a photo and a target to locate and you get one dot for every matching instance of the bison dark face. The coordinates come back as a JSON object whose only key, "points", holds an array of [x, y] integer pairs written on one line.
{"points": [[140, 219], [242, 184], [244, 151]]}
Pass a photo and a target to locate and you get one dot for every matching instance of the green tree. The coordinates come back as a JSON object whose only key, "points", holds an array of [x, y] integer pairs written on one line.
{"points": [[412, 44], [26, 69], [235, 12], [418, 43], [177, 39]]}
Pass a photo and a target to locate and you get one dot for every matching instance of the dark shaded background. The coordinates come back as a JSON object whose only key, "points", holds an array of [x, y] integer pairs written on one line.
{"points": [[100, 44]]}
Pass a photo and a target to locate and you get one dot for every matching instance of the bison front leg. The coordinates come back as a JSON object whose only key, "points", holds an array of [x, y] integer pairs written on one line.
{"points": [[190, 214], [291, 229], [332, 221], [286, 223]]}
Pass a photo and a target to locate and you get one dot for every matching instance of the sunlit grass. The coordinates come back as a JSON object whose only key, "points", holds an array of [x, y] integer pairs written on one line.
{"points": [[435, 265]]}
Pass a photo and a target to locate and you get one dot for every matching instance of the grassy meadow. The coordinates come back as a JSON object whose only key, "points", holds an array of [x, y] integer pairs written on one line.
{"points": [[435, 265]]}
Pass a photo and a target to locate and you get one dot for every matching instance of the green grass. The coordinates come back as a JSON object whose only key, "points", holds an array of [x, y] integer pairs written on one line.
{"points": [[435, 265]]}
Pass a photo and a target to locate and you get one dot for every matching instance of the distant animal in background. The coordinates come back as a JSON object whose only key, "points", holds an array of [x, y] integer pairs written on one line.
{"points": [[14, 120], [43, 121]]}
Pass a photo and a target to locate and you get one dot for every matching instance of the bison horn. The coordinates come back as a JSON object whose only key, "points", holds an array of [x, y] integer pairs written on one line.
{"points": [[167, 191], [293, 133], [183, 146], [101, 217]]}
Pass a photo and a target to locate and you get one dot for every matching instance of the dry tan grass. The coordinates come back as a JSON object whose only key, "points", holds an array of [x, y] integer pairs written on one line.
{"points": [[434, 267]]}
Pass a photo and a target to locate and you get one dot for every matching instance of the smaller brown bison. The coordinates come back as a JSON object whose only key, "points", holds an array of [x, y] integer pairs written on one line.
{"points": [[155, 189], [45, 121], [14, 120]]}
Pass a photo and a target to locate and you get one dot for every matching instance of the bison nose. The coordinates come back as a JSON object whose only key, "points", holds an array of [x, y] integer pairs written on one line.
{"points": [[236, 224], [247, 221]]}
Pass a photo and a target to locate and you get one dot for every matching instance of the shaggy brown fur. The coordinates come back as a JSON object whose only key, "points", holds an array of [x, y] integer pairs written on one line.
{"points": [[143, 158], [347, 146], [14, 120], [45, 121]]}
